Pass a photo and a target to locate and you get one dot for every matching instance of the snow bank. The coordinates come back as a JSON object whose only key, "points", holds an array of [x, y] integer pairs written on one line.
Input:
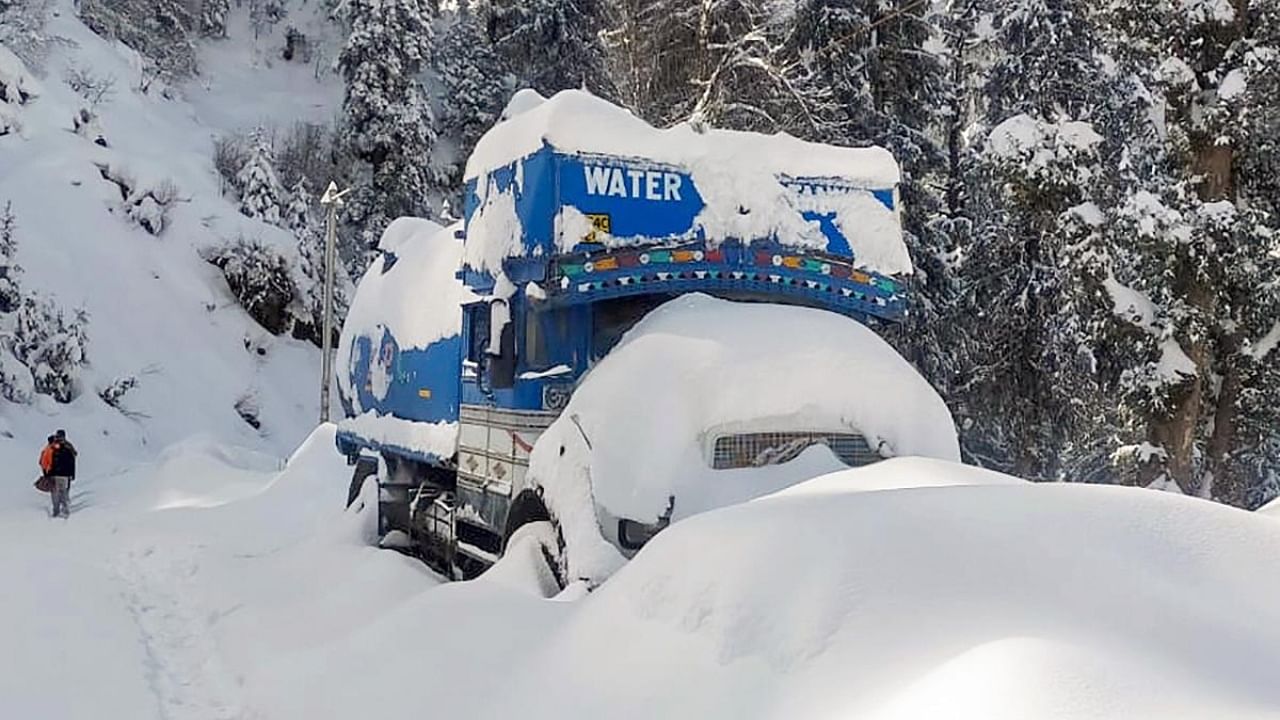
{"points": [[576, 121], [997, 600], [416, 296], [639, 427]]}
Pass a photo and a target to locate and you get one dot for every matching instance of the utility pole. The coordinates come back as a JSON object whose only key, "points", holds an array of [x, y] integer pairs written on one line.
{"points": [[332, 200]]}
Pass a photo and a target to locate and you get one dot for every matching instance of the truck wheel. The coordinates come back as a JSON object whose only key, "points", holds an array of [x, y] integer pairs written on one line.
{"points": [[529, 517], [539, 542], [365, 467]]}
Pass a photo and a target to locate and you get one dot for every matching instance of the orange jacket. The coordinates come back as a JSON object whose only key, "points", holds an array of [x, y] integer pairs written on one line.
{"points": [[46, 458]]}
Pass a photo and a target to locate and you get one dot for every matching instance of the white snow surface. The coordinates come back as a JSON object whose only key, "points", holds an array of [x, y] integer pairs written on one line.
{"points": [[640, 425], [211, 585]]}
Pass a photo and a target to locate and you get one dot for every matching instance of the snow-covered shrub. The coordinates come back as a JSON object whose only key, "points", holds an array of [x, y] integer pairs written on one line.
{"points": [[16, 384], [94, 88], [51, 346], [17, 88], [147, 206], [230, 153], [213, 18], [160, 30], [247, 408], [85, 124], [115, 391], [22, 29], [10, 291], [264, 14], [260, 280]]}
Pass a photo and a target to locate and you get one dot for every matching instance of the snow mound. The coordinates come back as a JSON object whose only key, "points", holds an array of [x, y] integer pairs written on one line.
{"points": [[575, 121], [639, 428], [1004, 600], [897, 474]]}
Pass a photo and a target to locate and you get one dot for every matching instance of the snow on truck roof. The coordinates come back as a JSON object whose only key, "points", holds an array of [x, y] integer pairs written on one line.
{"points": [[575, 121], [555, 174]]}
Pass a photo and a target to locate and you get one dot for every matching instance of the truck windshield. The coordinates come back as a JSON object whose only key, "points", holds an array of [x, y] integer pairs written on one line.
{"points": [[611, 319]]}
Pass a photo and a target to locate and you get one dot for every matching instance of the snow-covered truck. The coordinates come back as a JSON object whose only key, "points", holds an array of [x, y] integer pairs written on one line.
{"points": [[630, 326]]}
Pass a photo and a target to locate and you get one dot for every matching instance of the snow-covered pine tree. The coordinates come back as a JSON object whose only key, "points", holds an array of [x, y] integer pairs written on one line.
{"points": [[474, 87], [213, 18], [1030, 393], [10, 290], [885, 85], [387, 117], [722, 62], [309, 272], [160, 30], [551, 45], [1205, 260], [261, 193]]}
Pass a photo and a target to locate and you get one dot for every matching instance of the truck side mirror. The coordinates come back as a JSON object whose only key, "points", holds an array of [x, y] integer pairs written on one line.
{"points": [[502, 367], [502, 349]]}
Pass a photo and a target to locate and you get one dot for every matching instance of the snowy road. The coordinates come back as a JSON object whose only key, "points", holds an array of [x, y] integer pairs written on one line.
{"points": [[210, 585], [167, 591]]}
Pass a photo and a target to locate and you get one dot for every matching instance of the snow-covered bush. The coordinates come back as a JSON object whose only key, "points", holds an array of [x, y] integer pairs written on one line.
{"points": [[10, 292], [16, 384], [248, 409], [260, 280], [17, 88], [213, 18], [230, 153], [115, 391], [94, 88], [85, 124], [22, 29], [160, 30], [51, 346]]}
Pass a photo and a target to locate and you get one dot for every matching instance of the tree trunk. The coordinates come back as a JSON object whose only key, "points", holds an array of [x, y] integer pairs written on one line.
{"points": [[1229, 487]]}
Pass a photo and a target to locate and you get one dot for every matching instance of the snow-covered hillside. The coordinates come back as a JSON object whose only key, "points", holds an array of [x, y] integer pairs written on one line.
{"points": [[157, 311]]}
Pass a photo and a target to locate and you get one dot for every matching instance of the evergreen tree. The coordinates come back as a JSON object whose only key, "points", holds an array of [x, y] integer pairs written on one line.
{"points": [[262, 194], [1031, 393], [389, 123], [885, 86], [474, 88], [552, 45], [1204, 399], [213, 18], [10, 290]]}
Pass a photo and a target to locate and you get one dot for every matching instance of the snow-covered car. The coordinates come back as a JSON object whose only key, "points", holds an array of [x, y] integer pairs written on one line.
{"points": [[707, 403]]}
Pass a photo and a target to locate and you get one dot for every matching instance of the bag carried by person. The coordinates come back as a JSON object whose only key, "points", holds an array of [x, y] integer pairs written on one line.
{"points": [[44, 483]]}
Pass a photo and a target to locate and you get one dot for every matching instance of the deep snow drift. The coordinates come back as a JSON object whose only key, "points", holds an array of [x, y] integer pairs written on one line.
{"points": [[908, 589]]}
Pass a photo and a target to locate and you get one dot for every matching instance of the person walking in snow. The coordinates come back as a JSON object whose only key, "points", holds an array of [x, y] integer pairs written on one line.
{"points": [[62, 470]]}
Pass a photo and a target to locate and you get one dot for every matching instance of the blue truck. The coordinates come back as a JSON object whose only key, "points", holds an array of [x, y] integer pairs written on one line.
{"points": [[579, 222]]}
